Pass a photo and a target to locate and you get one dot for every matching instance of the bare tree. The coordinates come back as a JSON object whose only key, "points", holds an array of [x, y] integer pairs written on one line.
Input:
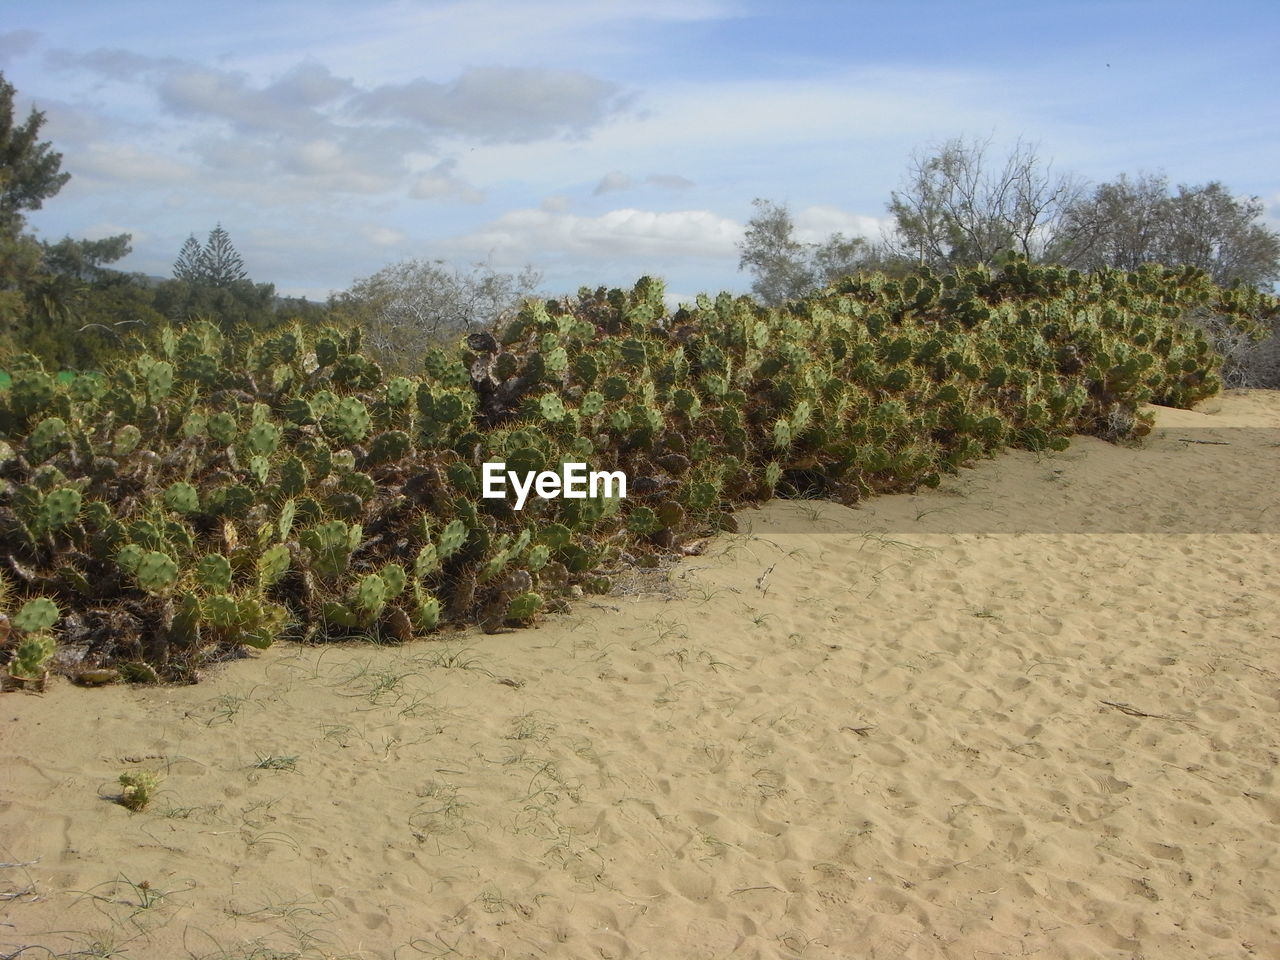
{"points": [[1127, 223], [415, 304], [784, 267], [956, 209]]}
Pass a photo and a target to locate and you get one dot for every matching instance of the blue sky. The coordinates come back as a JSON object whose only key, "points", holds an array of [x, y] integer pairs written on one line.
{"points": [[598, 141]]}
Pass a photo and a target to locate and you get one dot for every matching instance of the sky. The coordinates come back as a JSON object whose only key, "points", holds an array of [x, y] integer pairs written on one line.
{"points": [[600, 141]]}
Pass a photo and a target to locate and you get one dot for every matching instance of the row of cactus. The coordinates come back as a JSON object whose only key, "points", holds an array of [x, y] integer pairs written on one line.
{"points": [[215, 492]]}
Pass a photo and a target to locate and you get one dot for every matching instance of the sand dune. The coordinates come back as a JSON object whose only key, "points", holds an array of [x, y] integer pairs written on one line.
{"points": [[1013, 717]]}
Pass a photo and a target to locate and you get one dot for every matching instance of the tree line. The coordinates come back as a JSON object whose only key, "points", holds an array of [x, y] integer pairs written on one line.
{"points": [[62, 300], [958, 208]]}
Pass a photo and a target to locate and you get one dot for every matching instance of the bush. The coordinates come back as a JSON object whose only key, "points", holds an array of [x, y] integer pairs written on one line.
{"points": [[212, 494]]}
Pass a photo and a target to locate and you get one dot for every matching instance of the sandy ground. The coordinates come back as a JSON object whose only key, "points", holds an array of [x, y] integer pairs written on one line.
{"points": [[1007, 718]]}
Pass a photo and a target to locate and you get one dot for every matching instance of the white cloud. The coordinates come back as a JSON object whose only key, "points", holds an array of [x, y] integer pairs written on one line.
{"points": [[125, 163], [384, 236], [499, 104], [816, 223], [441, 183], [618, 233]]}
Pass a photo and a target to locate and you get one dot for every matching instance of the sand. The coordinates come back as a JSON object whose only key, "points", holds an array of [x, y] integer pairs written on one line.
{"points": [[1012, 717]]}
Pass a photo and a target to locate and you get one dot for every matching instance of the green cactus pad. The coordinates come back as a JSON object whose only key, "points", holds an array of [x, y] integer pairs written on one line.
{"points": [[452, 537], [273, 564], [35, 615], [156, 572], [60, 508], [523, 607], [213, 572], [181, 497]]}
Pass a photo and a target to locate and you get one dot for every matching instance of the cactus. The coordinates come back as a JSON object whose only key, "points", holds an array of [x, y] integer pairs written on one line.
{"points": [[262, 439], [156, 572], [181, 497], [394, 579], [585, 368], [897, 380], [389, 446], [643, 520], [592, 404], [260, 470], [293, 476], [222, 428], [427, 562], [398, 392], [327, 349], [232, 501], [782, 436], [702, 496], [272, 565], [59, 509], [157, 378], [213, 572], [30, 660], [48, 437], [299, 411], [126, 440], [30, 392], [137, 788], [370, 596], [221, 611], [551, 408], [36, 615], [523, 607], [452, 538], [199, 368], [350, 420], [330, 545], [537, 557], [426, 609], [615, 389]]}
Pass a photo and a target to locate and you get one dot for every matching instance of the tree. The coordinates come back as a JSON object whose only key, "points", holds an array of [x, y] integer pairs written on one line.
{"points": [[412, 305], [220, 264], [954, 209], [187, 266], [47, 290], [784, 268], [216, 264], [1126, 223], [778, 261], [29, 168]]}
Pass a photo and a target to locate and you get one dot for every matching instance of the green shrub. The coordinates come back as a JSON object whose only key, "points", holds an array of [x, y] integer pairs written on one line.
{"points": [[214, 492]]}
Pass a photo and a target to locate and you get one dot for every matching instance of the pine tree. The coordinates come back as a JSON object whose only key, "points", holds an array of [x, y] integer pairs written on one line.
{"points": [[220, 264], [29, 168], [188, 265]]}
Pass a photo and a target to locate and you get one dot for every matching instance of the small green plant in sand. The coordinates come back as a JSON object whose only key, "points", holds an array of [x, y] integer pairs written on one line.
{"points": [[139, 786], [275, 762]]}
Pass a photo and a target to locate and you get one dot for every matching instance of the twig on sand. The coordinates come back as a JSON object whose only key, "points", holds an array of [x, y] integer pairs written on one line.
{"points": [[860, 731], [1135, 712], [762, 582], [767, 886], [1213, 443]]}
